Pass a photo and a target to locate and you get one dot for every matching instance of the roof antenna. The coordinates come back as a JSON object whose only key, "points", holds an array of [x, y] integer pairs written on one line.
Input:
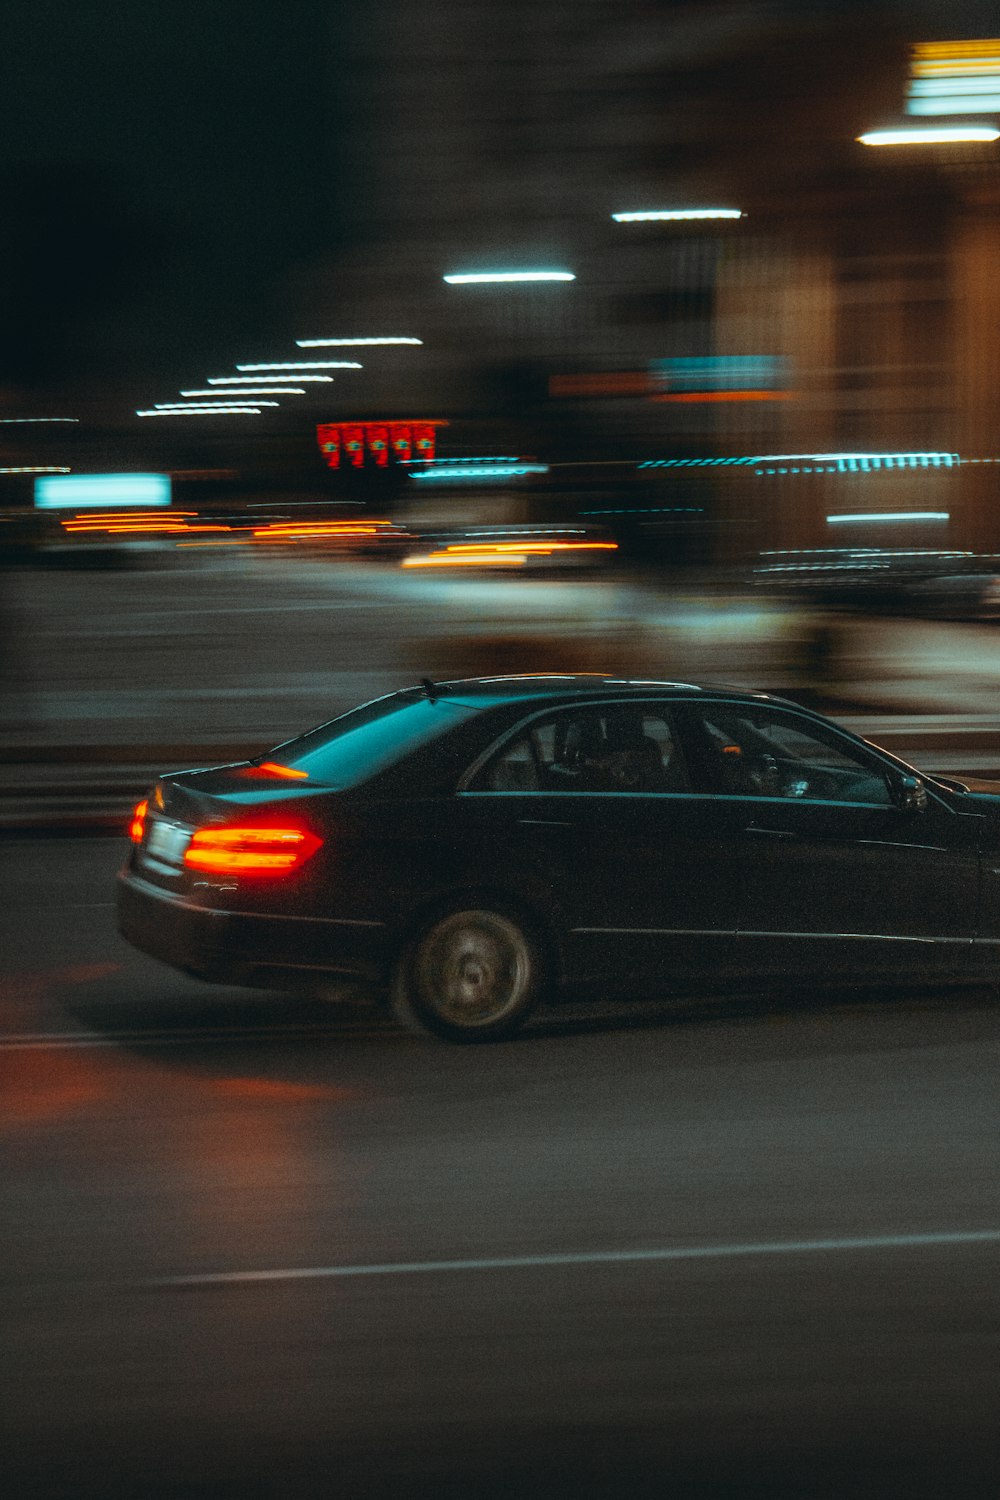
{"points": [[429, 689]]}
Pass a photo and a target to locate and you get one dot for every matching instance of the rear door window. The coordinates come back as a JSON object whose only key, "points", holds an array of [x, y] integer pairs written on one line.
{"points": [[369, 739]]}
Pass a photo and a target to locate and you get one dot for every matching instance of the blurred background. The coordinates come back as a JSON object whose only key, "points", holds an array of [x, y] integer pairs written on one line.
{"points": [[447, 337]]}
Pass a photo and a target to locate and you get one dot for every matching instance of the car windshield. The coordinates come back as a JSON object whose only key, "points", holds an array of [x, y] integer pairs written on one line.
{"points": [[355, 746]]}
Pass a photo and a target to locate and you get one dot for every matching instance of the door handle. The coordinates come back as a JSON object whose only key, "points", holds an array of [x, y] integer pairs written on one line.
{"points": [[773, 833], [544, 823]]}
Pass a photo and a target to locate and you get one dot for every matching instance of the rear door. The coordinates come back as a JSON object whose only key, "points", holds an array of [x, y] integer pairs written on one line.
{"points": [[637, 879]]}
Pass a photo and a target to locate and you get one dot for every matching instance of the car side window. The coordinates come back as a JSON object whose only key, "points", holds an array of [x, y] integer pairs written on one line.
{"points": [[746, 751], [605, 748]]}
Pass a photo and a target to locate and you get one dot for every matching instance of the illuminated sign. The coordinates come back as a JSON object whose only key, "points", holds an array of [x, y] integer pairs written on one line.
{"points": [[954, 78], [80, 491], [358, 443]]}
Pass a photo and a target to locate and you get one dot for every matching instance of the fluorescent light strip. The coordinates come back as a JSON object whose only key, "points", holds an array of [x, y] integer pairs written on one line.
{"points": [[675, 214], [254, 390], [35, 469], [274, 379], [209, 405], [203, 411], [7, 420], [956, 104], [308, 364], [969, 83], [351, 343], [892, 515], [930, 135], [464, 278]]}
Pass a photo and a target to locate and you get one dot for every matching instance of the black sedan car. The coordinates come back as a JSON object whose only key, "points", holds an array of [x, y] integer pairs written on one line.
{"points": [[469, 848]]}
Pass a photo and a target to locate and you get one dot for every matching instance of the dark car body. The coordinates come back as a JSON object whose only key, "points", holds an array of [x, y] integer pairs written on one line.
{"points": [[642, 836]]}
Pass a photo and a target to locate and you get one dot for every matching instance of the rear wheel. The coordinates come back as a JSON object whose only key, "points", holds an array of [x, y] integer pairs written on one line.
{"points": [[472, 974]]}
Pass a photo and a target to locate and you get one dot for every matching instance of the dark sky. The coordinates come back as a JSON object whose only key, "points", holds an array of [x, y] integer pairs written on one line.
{"points": [[163, 163]]}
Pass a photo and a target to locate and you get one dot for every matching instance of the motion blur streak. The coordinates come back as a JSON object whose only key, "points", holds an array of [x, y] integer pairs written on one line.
{"points": [[450, 560], [463, 278], [670, 214], [307, 364], [596, 1258], [322, 343], [931, 136]]}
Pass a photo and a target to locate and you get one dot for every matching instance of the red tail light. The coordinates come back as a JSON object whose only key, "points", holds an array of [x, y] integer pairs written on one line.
{"points": [[137, 827], [250, 851]]}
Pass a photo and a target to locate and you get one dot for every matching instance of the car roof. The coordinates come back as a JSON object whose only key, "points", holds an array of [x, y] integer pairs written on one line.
{"points": [[569, 687]]}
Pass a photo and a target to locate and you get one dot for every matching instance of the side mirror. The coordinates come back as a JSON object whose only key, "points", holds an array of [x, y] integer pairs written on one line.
{"points": [[909, 793]]}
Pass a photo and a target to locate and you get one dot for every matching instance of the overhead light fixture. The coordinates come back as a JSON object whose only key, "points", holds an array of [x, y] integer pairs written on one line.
{"points": [[6, 420], [464, 278], [308, 364], [892, 515], [928, 135], [351, 343], [673, 214], [274, 379]]}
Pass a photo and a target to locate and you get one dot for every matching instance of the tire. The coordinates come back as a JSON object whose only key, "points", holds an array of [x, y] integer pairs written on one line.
{"points": [[471, 974]]}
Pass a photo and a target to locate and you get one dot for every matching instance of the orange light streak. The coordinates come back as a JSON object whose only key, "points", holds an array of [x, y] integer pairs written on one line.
{"points": [[691, 396]]}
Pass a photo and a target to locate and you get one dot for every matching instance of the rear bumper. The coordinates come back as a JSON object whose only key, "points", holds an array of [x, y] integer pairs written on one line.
{"points": [[228, 947]]}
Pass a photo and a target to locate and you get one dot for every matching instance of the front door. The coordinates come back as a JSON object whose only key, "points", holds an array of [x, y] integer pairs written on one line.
{"points": [[836, 880]]}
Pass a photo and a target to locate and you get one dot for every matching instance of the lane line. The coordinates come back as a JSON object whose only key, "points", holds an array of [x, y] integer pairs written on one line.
{"points": [[583, 1258]]}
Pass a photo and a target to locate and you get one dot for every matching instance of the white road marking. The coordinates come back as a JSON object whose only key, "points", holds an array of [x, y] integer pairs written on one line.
{"points": [[586, 1258]]}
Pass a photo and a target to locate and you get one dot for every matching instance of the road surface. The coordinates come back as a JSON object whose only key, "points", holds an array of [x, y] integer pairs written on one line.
{"points": [[254, 1246]]}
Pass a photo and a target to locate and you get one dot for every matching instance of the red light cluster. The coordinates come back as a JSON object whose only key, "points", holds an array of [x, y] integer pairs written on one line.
{"points": [[356, 443]]}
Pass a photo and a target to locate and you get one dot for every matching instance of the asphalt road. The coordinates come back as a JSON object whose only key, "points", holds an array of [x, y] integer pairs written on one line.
{"points": [[253, 1246]]}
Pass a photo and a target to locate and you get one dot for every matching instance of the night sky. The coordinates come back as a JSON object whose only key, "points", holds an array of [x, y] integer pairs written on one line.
{"points": [[166, 167]]}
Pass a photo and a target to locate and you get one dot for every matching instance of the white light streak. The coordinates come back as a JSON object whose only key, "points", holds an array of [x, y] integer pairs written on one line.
{"points": [[273, 379], [351, 343], [308, 364], [929, 135], [891, 515], [467, 278], [560, 1259], [203, 411], [483, 471], [965, 104], [36, 469], [210, 405], [677, 214], [253, 390], [7, 420]]}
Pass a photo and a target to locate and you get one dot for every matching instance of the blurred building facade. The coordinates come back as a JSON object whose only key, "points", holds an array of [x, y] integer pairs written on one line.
{"points": [[506, 137]]}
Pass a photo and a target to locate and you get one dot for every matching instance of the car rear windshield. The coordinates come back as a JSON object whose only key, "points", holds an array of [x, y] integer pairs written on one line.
{"points": [[349, 750]]}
